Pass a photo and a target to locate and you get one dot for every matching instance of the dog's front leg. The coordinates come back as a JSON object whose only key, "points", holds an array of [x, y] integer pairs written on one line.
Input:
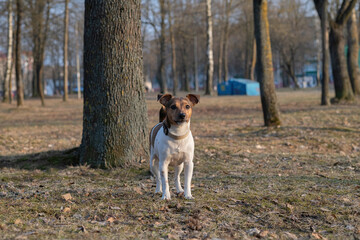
{"points": [[189, 166], [178, 170], [164, 179]]}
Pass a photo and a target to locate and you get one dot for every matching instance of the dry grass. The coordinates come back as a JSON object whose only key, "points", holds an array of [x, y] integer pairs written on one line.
{"points": [[297, 181]]}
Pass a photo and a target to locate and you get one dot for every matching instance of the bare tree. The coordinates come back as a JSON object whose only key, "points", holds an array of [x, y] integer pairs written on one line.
{"points": [[161, 69], [173, 49], [343, 90], [18, 73], [78, 82], [228, 5], [8, 71], [264, 65], [115, 114], [209, 53], [66, 37], [353, 53], [321, 8], [40, 12]]}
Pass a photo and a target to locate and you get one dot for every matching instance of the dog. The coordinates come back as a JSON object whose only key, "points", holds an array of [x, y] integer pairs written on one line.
{"points": [[171, 143]]}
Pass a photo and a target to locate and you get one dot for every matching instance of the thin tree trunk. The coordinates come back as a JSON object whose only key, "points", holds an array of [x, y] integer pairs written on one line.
{"points": [[173, 51], [353, 53], [8, 72], [220, 61], [209, 52], [66, 36], [228, 4], [264, 65], [19, 81], [115, 113], [78, 80], [253, 61], [321, 8], [161, 70], [196, 80]]}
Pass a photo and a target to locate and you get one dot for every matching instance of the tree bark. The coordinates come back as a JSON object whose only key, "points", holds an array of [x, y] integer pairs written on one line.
{"points": [[66, 37], [8, 72], [228, 4], [115, 113], [39, 34], [173, 51], [264, 64], [19, 80], [353, 53], [196, 79], [209, 52], [253, 61], [321, 8], [221, 56], [161, 69], [343, 90], [78, 82]]}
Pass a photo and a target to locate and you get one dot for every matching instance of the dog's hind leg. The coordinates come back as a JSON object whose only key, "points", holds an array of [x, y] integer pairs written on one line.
{"points": [[178, 170]]}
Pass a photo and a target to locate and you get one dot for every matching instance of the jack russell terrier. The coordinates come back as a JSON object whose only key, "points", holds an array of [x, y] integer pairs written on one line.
{"points": [[171, 143]]}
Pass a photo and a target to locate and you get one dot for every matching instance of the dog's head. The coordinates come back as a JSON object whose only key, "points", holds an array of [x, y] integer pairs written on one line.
{"points": [[178, 110]]}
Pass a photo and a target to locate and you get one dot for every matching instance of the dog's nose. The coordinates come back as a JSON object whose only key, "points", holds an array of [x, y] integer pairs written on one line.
{"points": [[182, 115]]}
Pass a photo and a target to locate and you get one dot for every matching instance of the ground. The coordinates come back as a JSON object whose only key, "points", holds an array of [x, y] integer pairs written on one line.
{"points": [[300, 180]]}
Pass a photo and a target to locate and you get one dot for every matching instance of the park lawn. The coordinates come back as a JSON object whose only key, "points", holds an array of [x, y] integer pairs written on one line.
{"points": [[301, 180]]}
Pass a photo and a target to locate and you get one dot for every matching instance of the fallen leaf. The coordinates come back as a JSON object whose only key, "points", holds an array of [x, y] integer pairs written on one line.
{"points": [[138, 190], [66, 196], [67, 209], [18, 221], [317, 236], [263, 233]]}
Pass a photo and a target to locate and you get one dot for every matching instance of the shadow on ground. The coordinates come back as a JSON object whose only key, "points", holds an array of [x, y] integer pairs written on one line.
{"points": [[42, 160]]}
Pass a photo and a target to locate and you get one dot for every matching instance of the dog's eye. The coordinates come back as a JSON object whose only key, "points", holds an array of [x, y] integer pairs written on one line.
{"points": [[187, 106], [173, 107]]}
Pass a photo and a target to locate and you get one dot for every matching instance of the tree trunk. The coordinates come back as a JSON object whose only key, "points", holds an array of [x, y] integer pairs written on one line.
{"points": [[321, 8], [8, 72], [264, 64], [19, 80], [253, 61], [66, 36], [161, 69], [115, 113], [228, 4], [173, 51], [343, 90], [221, 56], [39, 33], [209, 52], [196, 80], [353, 53], [185, 86], [78, 79]]}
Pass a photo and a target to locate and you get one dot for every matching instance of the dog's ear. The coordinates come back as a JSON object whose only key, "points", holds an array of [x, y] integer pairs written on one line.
{"points": [[164, 99], [159, 96], [194, 98]]}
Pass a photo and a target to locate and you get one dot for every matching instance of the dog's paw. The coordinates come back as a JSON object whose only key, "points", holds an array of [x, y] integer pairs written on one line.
{"points": [[180, 191], [166, 196], [189, 197]]}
